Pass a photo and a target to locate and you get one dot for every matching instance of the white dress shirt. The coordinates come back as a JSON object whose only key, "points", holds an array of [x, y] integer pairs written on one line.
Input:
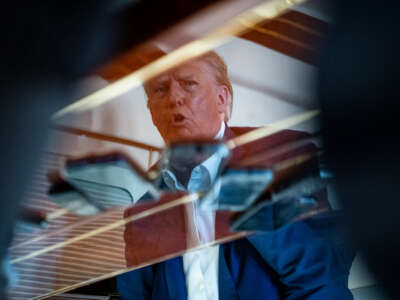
{"points": [[200, 266]]}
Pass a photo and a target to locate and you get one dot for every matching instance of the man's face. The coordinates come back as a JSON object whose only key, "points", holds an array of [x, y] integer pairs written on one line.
{"points": [[186, 103]]}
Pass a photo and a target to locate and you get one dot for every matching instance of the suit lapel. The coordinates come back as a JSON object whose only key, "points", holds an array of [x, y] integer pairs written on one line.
{"points": [[176, 282], [175, 279], [226, 286]]}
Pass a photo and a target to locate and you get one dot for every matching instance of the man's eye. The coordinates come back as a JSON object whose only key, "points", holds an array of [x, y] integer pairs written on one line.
{"points": [[190, 83], [159, 89]]}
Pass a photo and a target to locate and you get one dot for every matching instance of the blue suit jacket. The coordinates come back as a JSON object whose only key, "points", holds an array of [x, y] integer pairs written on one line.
{"points": [[304, 260]]}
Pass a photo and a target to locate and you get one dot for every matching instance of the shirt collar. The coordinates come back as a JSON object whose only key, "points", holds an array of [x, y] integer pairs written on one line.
{"points": [[211, 165], [221, 132]]}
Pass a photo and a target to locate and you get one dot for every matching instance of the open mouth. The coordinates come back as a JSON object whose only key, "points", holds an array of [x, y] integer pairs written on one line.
{"points": [[178, 118]]}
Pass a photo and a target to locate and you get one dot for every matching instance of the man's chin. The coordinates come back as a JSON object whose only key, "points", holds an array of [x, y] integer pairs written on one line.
{"points": [[180, 135], [179, 138], [187, 137]]}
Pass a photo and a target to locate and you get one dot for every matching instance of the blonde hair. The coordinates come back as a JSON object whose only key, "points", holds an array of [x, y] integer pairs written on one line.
{"points": [[221, 76]]}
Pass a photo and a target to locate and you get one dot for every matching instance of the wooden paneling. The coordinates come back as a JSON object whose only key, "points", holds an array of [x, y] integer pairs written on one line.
{"points": [[294, 34]]}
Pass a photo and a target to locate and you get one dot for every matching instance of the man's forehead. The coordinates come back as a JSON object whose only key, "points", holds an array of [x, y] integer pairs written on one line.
{"points": [[188, 69]]}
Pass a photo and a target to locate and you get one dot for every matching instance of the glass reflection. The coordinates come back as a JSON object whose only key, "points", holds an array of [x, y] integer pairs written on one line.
{"points": [[187, 161], [271, 215], [236, 189], [96, 183], [179, 244]]}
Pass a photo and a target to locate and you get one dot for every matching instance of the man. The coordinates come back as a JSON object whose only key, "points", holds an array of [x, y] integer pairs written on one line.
{"points": [[190, 102], [193, 101]]}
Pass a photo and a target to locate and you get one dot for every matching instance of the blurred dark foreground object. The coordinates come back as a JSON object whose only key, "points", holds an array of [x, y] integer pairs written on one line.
{"points": [[42, 53], [359, 90], [46, 47]]}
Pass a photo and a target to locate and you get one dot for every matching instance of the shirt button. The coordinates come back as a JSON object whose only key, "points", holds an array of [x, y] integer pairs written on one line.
{"points": [[202, 286]]}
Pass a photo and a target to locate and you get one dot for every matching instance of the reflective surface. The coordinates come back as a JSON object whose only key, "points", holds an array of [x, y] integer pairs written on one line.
{"points": [[202, 193], [271, 215], [237, 189], [76, 250]]}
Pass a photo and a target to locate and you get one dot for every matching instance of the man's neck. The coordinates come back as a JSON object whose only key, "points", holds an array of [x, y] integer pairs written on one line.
{"points": [[183, 173]]}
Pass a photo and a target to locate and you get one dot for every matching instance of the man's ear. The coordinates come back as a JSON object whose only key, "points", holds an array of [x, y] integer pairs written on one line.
{"points": [[222, 101]]}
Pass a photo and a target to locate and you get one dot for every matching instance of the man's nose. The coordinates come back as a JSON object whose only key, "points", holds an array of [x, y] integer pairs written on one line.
{"points": [[176, 94]]}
